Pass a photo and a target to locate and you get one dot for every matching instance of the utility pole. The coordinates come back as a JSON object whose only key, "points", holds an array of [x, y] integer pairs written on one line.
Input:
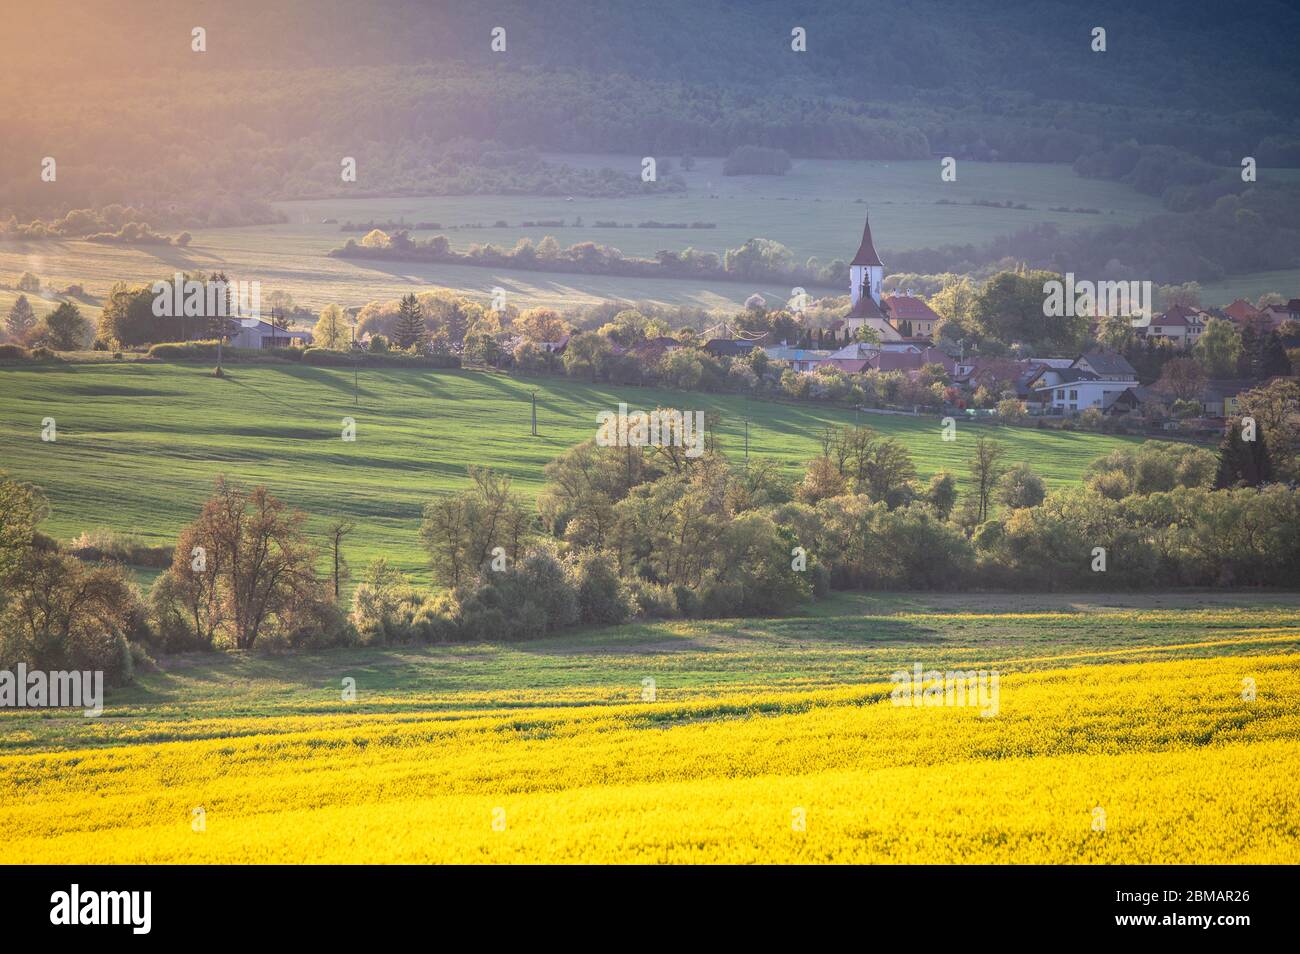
{"points": [[356, 400], [534, 396], [747, 443]]}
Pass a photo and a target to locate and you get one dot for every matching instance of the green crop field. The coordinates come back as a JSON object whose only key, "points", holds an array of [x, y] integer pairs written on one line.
{"points": [[139, 443], [842, 640]]}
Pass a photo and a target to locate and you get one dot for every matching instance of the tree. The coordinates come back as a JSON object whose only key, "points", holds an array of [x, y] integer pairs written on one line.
{"points": [[21, 320], [410, 330], [128, 319], [682, 368], [339, 572], [1011, 410], [541, 325], [1243, 463], [1188, 295], [63, 614], [1011, 307], [1276, 409], [587, 353], [985, 469], [1182, 379], [1273, 360], [28, 282], [331, 329], [63, 329], [21, 508], [243, 567], [885, 471], [822, 480], [941, 494], [1020, 487], [1219, 348], [461, 530], [1115, 332]]}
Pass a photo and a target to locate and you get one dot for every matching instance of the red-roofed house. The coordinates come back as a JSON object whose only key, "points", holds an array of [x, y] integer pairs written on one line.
{"points": [[1271, 317], [1241, 312], [1180, 325], [905, 310]]}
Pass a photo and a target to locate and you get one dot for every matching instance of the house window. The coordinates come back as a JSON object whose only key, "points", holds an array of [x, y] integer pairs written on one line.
{"points": [[1060, 394], [1074, 395]]}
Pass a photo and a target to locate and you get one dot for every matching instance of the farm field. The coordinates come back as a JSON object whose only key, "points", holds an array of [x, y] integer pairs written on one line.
{"points": [[812, 210], [139, 443], [1129, 709]]}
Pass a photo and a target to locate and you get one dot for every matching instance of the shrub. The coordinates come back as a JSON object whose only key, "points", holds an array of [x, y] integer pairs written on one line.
{"points": [[63, 615], [13, 352], [385, 606], [602, 596], [104, 544], [653, 600], [184, 350]]}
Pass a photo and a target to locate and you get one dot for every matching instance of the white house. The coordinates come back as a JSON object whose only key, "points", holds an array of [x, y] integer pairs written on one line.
{"points": [[1092, 380], [266, 335]]}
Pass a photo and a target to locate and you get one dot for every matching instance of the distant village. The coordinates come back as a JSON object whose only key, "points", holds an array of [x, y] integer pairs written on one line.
{"points": [[895, 337]]}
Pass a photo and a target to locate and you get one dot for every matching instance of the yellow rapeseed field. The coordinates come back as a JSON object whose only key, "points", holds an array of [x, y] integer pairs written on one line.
{"points": [[1158, 761]]}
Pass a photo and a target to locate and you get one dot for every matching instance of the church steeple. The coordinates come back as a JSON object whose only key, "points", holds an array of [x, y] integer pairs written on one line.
{"points": [[867, 250], [866, 270]]}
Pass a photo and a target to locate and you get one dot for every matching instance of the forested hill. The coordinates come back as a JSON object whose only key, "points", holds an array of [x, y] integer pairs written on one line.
{"points": [[1188, 54], [283, 89]]}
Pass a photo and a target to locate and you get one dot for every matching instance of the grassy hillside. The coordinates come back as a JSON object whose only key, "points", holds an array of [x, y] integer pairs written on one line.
{"points": [[139, 443], [1130, 704]]}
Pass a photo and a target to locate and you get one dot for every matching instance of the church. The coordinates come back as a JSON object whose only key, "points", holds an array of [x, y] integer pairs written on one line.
{"points": [[895, 318]]}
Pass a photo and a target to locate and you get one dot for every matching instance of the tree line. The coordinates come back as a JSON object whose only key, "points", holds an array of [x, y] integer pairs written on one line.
{"points": [[650, 532]]}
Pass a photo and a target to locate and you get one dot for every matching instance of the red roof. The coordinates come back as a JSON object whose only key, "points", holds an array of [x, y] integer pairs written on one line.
{"points": [[897, 361], [909, 308], [1241, 310], [866, 251], [847, 365], [936, 356], [867, 308]]}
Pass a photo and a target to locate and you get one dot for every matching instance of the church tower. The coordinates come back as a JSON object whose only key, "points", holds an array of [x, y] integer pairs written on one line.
{"points": [[866, 271]]}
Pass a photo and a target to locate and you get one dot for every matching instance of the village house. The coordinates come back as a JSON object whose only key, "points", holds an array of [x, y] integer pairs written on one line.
{"points": [[1181, 325], [729, 347], [263, 334], [1219, 399], [1272, 317], [1096, 379], [911, 316], [1241, 313], [799, 359]]}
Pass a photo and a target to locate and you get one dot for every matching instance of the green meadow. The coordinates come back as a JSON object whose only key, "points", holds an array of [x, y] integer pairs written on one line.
{"points": [[139, 443]]}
